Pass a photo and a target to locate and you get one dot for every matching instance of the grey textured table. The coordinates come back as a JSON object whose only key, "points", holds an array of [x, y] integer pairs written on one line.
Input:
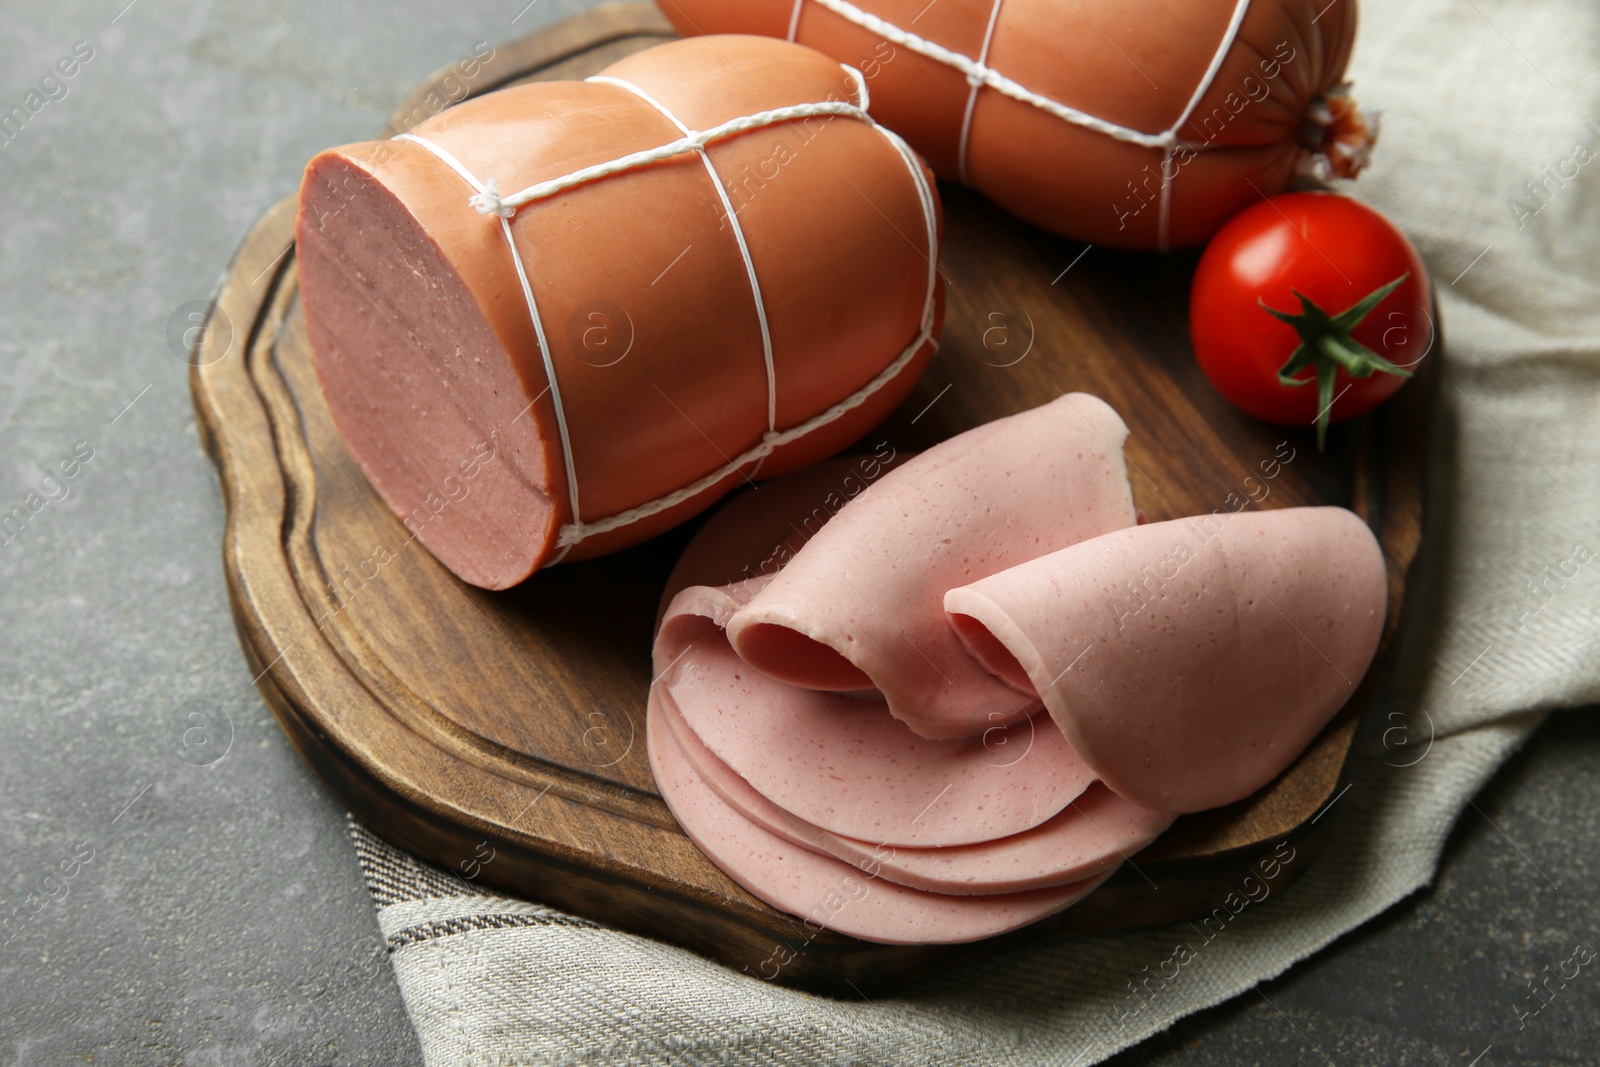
{"points": [[197, 900]]}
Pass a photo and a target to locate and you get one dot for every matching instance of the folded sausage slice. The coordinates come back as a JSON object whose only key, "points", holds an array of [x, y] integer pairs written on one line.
{"points": [[1188, 662], [842, 762], [1091, 836], [860, 606], [826, 891], [759, 528]]}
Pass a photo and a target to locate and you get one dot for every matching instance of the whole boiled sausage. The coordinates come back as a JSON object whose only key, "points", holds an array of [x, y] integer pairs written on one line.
{"points": [[1136, 123], [562, 317]]}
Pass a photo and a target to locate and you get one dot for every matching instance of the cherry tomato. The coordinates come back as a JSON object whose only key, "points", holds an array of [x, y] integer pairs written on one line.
{"points": [[1309, 308]]}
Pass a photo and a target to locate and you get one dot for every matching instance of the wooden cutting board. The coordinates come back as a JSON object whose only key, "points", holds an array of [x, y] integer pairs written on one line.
{"points": [[501, 735]]}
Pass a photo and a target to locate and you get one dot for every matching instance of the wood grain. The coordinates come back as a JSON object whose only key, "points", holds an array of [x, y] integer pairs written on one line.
{"points": [[457, 722]]}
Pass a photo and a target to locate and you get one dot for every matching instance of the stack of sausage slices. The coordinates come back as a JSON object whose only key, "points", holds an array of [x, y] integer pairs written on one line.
{"points": [[952, 701]]}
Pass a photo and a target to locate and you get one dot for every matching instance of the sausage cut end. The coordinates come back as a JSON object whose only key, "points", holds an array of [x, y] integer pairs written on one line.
{"points": [[420, 386]]}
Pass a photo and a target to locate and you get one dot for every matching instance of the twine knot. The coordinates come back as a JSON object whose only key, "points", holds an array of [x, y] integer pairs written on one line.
{"points": [[488, 202]]}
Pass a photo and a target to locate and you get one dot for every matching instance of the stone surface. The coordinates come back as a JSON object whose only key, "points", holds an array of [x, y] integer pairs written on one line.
{"points": [[214, 914]]}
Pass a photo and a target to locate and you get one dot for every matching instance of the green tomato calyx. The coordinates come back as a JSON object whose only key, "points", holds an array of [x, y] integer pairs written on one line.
{"points": [[1326, 347]]}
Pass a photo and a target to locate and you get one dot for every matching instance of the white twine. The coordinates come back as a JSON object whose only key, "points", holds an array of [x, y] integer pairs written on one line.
{"points": [[794, 18], [972, 94], [486, 200], [738, 235], [486, 191], [1217, 59], [979, 74], [493, 204]]}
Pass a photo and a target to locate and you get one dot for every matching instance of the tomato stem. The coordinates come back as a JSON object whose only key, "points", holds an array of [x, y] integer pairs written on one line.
{"points": [[1327, 346]]}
